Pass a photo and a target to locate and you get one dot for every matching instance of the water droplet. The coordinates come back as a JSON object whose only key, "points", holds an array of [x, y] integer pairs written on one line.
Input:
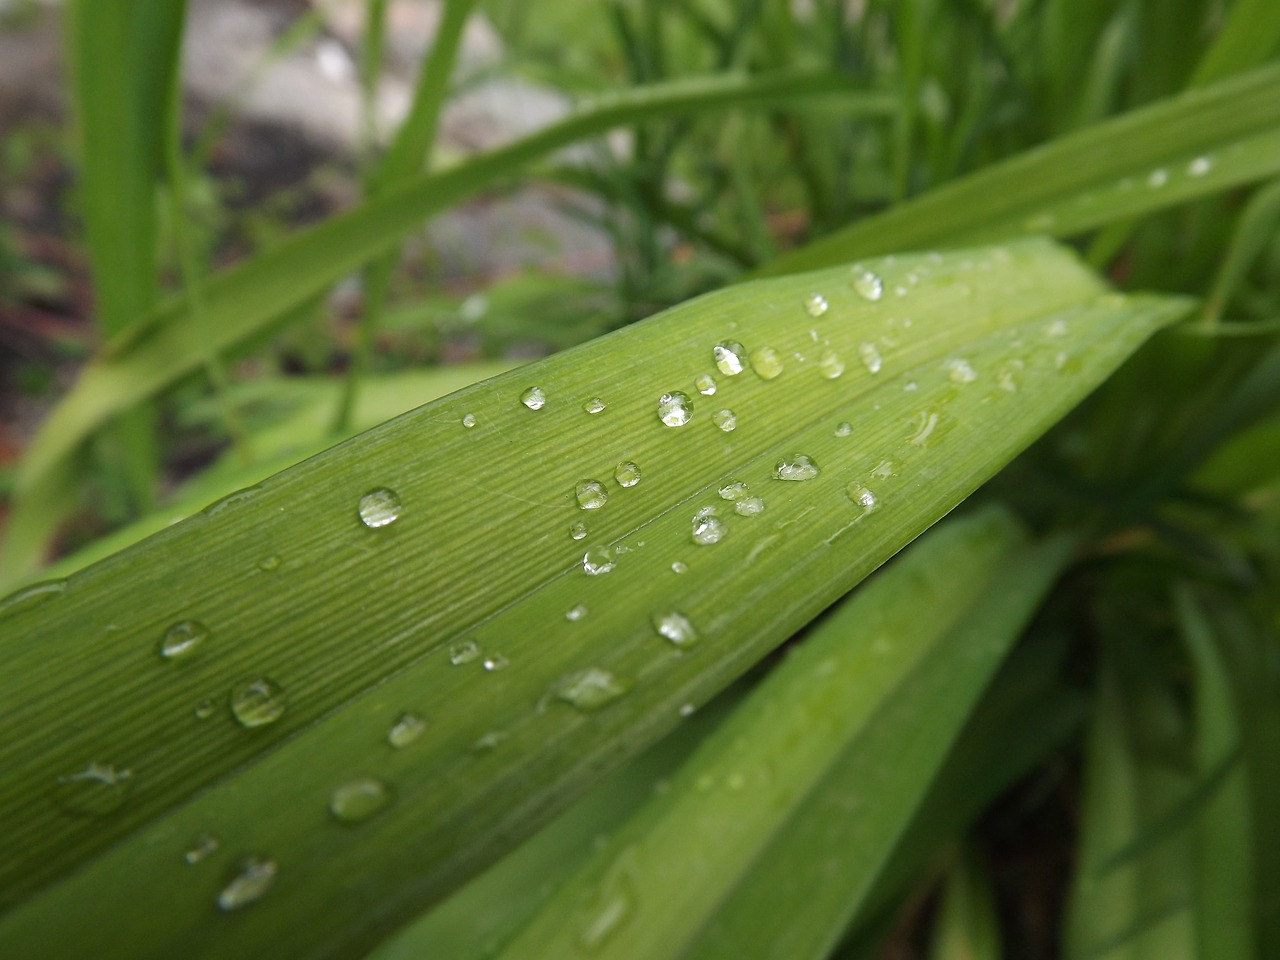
{"points": [[676, 627], [959, 370], [708, 528], [726, 420], [257, 702], [845, 429], [674, 409], [254, 879], [95, 791], [687, 709], [627, 474], [463, 652], [183, 639], [795, 467], [30, 596], [861, 496], [679, 567], [590, 689], [706, 384], [578, 531], [269, 564], [883, 470], [1159, 177], [730, 357], [815, 305], [830, 365], [200, 848], [358, 799], [735, 490], [766, 362], [870, 357], [495, 662], [231, 500], [1060, 359], [489, 741], [925, 423], [574, 614], [750, 507], [469, 420], [534, 398], [204, 709], [866, 284], [1200, 166], [610, 908], [591, 494], [379, 507], [407, 728], [594, 405], [910, 387], [598, 560], [1058, 328]]}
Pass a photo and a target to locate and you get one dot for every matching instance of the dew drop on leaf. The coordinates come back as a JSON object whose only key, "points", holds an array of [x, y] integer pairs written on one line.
{"points": [[708, 528], [726, 420], [627, 474], [845, 429], [495, 662], [249, 885], [866, 284], [379, 507], [1200, 166], [576, 613], [269, 564], [734, 490], [706, 384], [678, 566], [463, 652], [183, 639], [204, 709], [598, 560], [862, 497], [674, 409], [358, 799], [815, 305], [257, 702], [960, 370], [578, 531], [593, 406], [870, 357], [796, 467], [200, 848], [469, 420], [830, 366], [534, 398], [97, 790], [590, 494], [750, 507], [407, 728], [766, 362], [675, 627], [589, 689], [730, 357]]}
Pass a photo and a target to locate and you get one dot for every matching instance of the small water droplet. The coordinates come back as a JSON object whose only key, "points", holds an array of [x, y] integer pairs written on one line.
{"points": [[379, 507], [730, 357], [674, 409], [735, 490], [845, 429], [830, 366], [627, 474], [594, 405], [708, 528], [687, 709], [407, 728], [815, 305], [490, 741], [469, 420], [679, 567], [796, 467], [960, 370], [861, 496], [257, 702], [578, 531], [1060, 359], [232, 500], [463, 652], [726, 420], [200, 848], [204, 709], [910, 387], [598, 560], [1158, 178], [574, 614], [676, 627], [254, 879], [591, 494], [95, 791], [534, 398], [883, 470], [495, 662], [269, 564], [1058, 328], [183, 639], [866, 284], [359, 799], [750, 507], [610, 909], [706, 384], [925, 423], [590, 689], [766, 362], [870, 357], [1200, 166]]}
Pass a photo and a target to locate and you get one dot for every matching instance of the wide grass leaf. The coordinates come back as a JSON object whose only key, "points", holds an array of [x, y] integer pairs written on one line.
{"points": [[430, 565]]}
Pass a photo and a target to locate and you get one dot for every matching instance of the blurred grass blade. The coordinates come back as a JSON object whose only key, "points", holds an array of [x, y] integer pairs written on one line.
{"points": [[1248, 38], [244, 302], [465, 554], [1199, 143], [1255, 228], [753, 817], [968, 925]]}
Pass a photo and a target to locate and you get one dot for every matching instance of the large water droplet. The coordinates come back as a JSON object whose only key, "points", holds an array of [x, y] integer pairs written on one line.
{"points": [[590, 689], [495, 662], [815, 305], [796, 467], [830, 366], [706, 384], [358, 799], [735, 490], [200, 848], [766, 362], [254, 879], [726, 420], [674, 409], [534, 398], [708, 528], [379, 507], [257, 702], [591, 494], [95, 791], [598, 560], [408, 727], [463, 652], [866, 284], [183, 639], [469, 420], [627, 474], [960, 370], [593, 406], [730, 357], [750, 507], [676, 627], [576, 613], [870, 357]]}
